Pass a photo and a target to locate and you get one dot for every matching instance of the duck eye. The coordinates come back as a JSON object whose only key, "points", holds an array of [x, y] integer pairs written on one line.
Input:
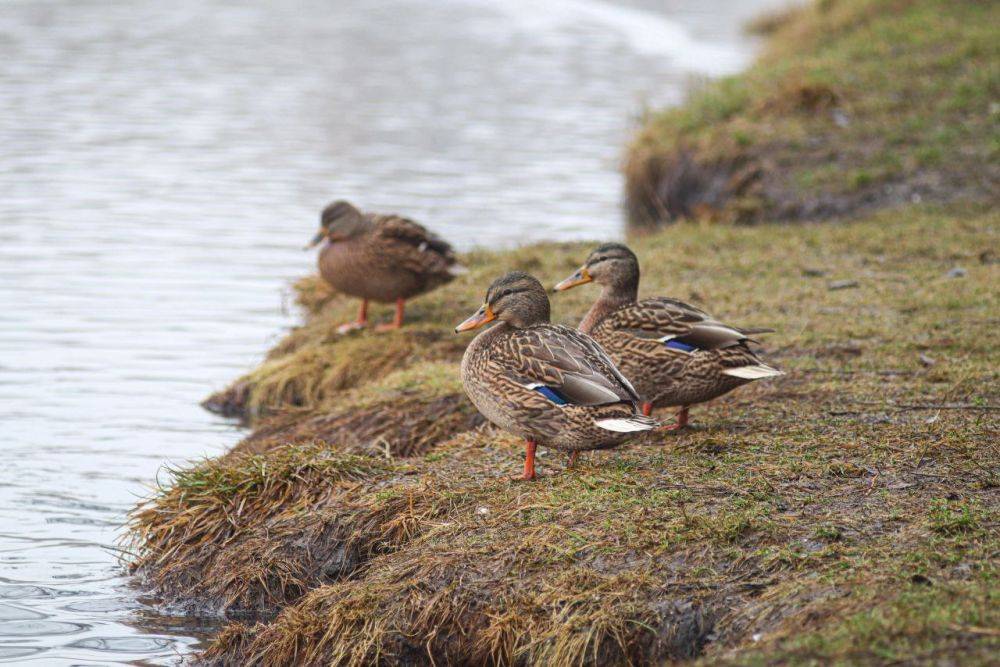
{"points": [[505, 293]]}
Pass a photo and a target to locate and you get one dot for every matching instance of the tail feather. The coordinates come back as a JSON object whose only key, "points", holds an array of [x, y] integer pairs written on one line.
{"points": [[631, 424], [755, 372], [756, 330]]}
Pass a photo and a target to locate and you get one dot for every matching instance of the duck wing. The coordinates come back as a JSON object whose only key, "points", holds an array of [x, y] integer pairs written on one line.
{"points": [[403, 230], [568, 363], [669, 320]]}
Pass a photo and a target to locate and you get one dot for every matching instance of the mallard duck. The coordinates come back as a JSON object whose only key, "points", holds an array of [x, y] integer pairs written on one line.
{"points": [[674, 354], [384, 258], [549, 384]]}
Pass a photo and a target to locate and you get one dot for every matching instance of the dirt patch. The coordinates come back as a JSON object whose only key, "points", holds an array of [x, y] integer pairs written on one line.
{"points": [[679, 186]]}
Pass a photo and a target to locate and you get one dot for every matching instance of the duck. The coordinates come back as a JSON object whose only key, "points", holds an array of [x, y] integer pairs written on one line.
{"points": [[675, 354], [385, 258], [549, 384]]}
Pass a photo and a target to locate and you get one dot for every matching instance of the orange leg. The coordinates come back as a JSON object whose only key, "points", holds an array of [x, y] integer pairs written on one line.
{"points": [[682, 420], [572, 459], [647, 409], [529, 461], [361, 322], [397, 320]]}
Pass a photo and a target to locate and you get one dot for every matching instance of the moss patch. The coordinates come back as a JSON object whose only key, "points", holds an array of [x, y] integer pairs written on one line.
{"points": [[855, 105]]}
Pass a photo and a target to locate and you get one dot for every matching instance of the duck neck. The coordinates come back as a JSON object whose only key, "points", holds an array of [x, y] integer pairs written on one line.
{"points": [[486, 337], [612, 298]]}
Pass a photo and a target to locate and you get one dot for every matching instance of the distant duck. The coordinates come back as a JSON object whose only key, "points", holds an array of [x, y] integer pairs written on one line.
{"points": [[674, 354], [384, 258], [549, 384]]}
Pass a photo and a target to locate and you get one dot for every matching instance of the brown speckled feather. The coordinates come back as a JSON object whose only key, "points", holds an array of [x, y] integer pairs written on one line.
{"points": [[567, 360], [502, 363], [412, 247], [632, 335], [549, 384], [387, 257], [661, 316]]}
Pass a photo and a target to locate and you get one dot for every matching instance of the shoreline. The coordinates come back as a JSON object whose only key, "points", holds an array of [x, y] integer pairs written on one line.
{"points": [[316, 528], [840, 512]]}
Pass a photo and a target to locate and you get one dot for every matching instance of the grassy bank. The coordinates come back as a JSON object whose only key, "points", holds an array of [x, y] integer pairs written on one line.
{"points": [[855, 105], [848, 510]]}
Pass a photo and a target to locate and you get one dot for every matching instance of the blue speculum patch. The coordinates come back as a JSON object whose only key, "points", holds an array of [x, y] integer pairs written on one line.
{"points": [[552, 395], [677, 345]]}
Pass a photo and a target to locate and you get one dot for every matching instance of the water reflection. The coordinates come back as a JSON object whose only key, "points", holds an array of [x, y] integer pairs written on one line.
{"points": [[164, 162]]}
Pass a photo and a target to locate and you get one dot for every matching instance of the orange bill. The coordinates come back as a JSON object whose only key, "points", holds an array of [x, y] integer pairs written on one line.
{"points": [[478, 319], [320, 235], [580, 277]]}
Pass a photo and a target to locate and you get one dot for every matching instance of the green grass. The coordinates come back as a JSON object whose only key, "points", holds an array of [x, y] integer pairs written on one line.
{"points": [[851, 96], [800, 511]]}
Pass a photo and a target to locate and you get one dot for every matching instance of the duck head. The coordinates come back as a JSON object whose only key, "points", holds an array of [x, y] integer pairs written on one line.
{"points": [[611, 265], [339, 221], [517, 299]]}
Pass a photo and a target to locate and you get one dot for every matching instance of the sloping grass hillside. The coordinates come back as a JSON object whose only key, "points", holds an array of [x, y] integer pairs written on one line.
{"points": [[855, 105]]}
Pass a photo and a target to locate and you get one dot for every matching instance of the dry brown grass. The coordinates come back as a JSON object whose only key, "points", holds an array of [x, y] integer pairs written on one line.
{"points": [[808, 512], [313, 367]]}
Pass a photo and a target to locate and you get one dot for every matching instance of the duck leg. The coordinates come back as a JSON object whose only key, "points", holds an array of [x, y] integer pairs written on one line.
{"points": [[397, 320], [360, 323], [529, 461], [647, 409], [572, 459], [682, 420]]}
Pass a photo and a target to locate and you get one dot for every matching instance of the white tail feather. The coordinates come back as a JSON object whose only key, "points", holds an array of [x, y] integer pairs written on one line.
{"points": [[753, 372], [627, 424]]}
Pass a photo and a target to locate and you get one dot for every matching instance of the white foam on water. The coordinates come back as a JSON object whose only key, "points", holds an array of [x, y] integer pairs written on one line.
{"points": [[641, 31]]}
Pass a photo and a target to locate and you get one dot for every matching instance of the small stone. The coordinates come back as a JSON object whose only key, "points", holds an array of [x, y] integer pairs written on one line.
{"points": [[963, 570], [482, 511], [841, 119], [957, 272], [926, 361], [988, 257], [814, 273], [843, 284]]}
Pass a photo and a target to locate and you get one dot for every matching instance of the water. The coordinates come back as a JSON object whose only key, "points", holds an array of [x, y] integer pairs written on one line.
{"points": [[161, 166]]}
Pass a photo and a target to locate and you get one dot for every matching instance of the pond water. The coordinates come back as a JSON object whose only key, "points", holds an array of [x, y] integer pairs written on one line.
{"points": [[163, 164]]}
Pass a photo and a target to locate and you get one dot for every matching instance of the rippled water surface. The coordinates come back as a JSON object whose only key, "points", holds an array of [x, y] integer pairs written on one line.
{"points": [[161, 166]]}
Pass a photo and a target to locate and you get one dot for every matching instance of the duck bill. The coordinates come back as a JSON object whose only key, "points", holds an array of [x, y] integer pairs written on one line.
{"points": [[316, 240], [478, 319], [581, 277]]}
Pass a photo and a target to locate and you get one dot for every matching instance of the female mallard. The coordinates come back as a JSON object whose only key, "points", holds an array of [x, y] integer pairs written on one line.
{"points": [[548, 384], [384, 258], [674, 353]]}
